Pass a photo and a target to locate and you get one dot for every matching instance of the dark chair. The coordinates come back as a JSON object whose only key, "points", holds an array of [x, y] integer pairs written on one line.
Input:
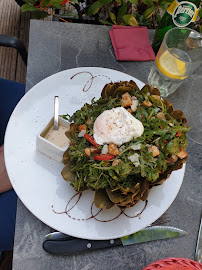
{"points": [[10, 94]]}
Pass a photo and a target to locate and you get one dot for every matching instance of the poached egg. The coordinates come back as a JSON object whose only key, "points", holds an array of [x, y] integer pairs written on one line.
{"points": [[116, 126]]}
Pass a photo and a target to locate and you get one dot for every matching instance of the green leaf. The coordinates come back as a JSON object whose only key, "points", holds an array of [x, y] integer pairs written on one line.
{"points": [[130, 20], [40, 14], [105, 2], [74, 1], [148, 12], [55, 2], [148, 2], [112, 16], [133, 2], [27, 7], [173, 146], [200, 13], [122, 11], [94, 8], [163, 5], [105, 22], [45, 3], [119, 1], [158, 17]]}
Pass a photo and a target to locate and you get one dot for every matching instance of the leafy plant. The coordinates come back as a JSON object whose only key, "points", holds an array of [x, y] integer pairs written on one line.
{"points": [[44, 8], [121, 12]]}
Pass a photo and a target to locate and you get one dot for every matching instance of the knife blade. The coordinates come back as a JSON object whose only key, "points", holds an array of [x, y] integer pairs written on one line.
{"points": [[198, 252], [61, 244]]}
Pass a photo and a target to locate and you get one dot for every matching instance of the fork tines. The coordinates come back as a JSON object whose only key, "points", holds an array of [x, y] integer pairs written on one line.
{"points": [[162, 220]]}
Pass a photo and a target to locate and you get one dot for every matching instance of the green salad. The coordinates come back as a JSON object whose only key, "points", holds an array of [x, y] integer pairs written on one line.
{"points": [[124, 174]]}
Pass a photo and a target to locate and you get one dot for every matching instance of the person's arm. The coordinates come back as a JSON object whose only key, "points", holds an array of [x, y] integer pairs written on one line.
{"points": [[5, 183]]}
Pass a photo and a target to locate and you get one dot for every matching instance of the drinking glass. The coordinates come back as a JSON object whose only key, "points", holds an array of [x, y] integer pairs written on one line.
{"points": [[179, 56]]}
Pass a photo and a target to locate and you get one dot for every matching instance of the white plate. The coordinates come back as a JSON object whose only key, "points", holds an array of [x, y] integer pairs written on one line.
{"points": [[37, 179]]}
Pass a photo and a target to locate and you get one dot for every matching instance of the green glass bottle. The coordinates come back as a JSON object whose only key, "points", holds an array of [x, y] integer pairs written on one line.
{"points": [[179, 14]]}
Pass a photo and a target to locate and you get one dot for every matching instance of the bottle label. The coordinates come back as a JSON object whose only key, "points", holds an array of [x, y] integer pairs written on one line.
{"points": [[183, 13]]}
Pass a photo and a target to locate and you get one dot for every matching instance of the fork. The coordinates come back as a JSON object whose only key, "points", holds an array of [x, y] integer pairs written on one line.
{"points": [[162, 220]]}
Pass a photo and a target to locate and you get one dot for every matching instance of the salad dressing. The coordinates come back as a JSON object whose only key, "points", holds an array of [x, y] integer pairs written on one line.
{"points": [[57, 137]]}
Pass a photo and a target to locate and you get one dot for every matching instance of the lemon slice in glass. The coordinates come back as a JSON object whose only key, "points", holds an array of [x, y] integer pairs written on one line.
{"points": [[171, 66]]}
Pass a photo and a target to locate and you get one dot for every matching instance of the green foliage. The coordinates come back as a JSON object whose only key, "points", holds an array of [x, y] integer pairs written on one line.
{"points": [[112, 17], [94, 8], [28, 7], [133, 2], [149, 12], [200, 13], [129, 19], [148, 2], [122, 12]]}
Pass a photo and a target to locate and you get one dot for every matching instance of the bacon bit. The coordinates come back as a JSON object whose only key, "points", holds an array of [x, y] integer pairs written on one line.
{"points": [[161, 172], [73, 143], [170, 160], [91, 140], [82, 127], [103, 157], [166, 141], [178, 134]]}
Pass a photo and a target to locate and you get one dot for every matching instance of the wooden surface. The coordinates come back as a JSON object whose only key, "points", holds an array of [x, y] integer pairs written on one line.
{"points": [[13, 22]]}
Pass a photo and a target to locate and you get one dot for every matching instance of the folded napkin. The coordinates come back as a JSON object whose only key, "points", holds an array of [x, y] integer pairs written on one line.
{"points": [[131, 43]]}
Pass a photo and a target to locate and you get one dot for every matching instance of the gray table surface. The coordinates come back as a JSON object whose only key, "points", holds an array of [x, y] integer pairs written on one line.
{"points": [[54, 47]]}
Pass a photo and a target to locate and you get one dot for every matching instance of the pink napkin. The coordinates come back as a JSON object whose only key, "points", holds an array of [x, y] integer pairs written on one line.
{"points": [[131, 43]]}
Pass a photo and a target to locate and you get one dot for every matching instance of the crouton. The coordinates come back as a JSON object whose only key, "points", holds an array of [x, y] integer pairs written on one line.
{"points": [[172, 159], [95, 150], [113, 149], [89, 121], [156, 96], [126, 100], [147, 103], [115, 162], [82, 127], [87, 152], [161, 115], [154, 149], [182, 154], [91, 150]]}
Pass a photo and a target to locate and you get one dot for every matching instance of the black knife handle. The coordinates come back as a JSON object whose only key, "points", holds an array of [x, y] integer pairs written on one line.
{"points": [[67, 247]]}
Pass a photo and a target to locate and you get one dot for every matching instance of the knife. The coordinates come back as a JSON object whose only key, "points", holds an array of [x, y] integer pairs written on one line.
{"points": [[198, 253], [61, 244]]}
